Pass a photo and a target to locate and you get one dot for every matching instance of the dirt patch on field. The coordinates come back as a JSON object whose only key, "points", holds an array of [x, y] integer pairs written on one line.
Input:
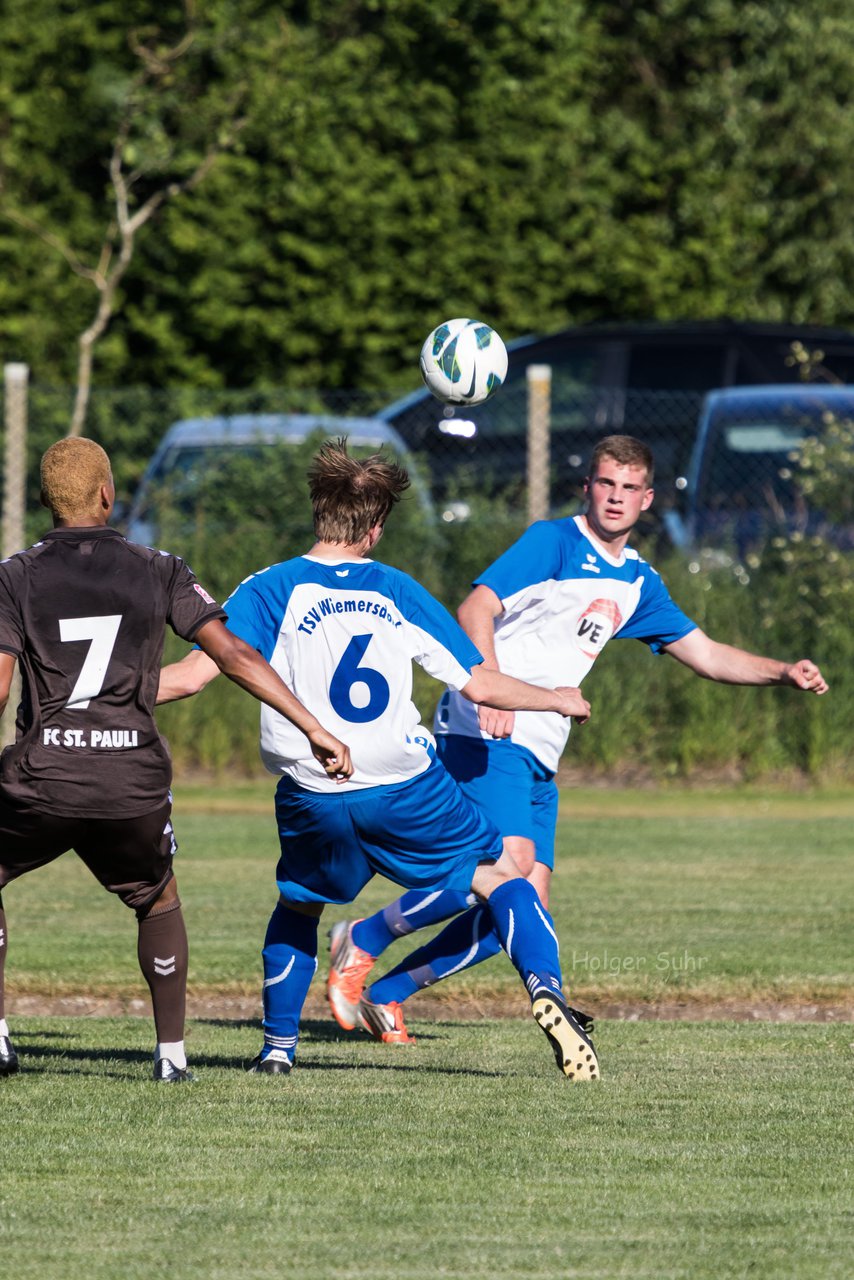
{"points": [[238, 1008]]}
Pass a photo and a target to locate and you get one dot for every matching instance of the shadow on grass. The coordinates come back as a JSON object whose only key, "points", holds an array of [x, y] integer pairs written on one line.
{"points": [[41, 1059], [324, 1031]]}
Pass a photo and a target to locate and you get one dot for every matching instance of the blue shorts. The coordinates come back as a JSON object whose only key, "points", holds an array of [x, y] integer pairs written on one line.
{"points": [[422, 833], [509, 784]]}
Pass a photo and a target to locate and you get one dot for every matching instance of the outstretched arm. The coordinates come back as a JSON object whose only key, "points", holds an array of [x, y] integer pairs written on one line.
{"points": [[728, 665], [225, 652], [183, 679], [507, 693]]}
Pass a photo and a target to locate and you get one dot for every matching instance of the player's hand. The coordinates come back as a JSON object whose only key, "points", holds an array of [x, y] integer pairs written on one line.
{"points": [[498, 724], [806, 675], [574, 704], [333, 755]]}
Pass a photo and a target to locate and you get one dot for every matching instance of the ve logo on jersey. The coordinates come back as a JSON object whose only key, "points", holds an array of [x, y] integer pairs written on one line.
{"points": [[597, 624]]}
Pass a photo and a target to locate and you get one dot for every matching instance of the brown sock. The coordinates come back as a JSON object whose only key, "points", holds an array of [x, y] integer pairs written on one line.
{"points": [[163, 955], [3, 937]]}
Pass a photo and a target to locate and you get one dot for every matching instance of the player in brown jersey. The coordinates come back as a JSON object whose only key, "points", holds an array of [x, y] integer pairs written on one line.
{"points": [[84, 613]]}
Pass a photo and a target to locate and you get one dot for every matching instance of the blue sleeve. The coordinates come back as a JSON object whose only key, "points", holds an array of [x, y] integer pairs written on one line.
{"points": [[535, 557], [422, 610], [255, 616], [657, 621]]}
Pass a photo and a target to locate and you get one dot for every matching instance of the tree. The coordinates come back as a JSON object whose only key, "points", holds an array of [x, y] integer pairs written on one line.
{"points": [[538, 165], [171, 128]]}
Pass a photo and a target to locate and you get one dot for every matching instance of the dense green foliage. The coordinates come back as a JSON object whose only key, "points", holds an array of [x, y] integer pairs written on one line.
{"points": [[538, 164]]}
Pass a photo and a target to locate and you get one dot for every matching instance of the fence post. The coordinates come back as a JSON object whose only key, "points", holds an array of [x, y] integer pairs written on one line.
{"points": [[15, 379], [539, 378]]}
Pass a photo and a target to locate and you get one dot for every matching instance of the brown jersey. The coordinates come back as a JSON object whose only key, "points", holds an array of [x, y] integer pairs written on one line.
{"points": [[85, 613]]}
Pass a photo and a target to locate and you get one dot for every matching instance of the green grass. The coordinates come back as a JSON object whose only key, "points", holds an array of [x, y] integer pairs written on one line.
{"points": [[657, 896], [708, 1150]]}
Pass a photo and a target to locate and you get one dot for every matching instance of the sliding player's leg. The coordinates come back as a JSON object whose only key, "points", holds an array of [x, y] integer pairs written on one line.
{"points": [[466, 941], [355, 946], [510, 785], [528, 936], [427, 833], [530, 819]]}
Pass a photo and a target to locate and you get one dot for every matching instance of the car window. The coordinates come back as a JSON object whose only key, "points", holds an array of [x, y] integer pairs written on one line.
{"points": [[675, 367], [744, 474]]}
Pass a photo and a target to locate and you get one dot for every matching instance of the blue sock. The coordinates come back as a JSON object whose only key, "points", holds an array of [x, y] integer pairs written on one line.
{"points": [[527, 934], [415, 910], [466, 941], [290, 961]]}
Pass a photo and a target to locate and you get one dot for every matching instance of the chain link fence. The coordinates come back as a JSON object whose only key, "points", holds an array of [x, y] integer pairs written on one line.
{"points": [[733, 468], [726, 463]]}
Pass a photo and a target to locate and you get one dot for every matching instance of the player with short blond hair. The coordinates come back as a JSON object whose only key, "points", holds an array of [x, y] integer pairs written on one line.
{"points": [[73, 471], [84, 612]]}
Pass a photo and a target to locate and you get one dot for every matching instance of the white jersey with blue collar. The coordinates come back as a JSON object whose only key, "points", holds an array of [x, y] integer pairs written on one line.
{"points": [[564, 596], [343, 636]]}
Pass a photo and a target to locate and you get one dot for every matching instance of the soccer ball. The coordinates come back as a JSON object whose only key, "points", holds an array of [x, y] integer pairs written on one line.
{"points": [[463, 362]]}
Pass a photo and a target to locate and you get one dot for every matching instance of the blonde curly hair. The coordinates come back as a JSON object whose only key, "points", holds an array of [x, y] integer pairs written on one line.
{"points": [[72, 473]]}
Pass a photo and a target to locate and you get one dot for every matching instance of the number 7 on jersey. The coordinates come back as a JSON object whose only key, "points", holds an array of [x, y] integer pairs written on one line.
{"points": [[102, 631]]}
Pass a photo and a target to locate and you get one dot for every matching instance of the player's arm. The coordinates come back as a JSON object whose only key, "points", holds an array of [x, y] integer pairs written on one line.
{"points": [[507, 693], [223, 651], [183, 679], [728, 665], [476, 615], [7, 671]]}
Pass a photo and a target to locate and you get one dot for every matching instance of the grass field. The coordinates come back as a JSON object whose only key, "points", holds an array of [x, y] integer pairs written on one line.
{"points": [[710, 1148]]}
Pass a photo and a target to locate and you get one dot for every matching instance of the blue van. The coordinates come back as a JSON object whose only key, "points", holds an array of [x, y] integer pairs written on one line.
{"points": [[741, 484]]}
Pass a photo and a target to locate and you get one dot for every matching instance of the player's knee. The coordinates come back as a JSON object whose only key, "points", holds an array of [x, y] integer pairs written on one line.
{"points": [[166, 900], [489, 875], [541, 878], [523, 852]]}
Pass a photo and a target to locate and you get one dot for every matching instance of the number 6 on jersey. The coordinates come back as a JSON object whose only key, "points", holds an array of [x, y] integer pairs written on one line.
{"points": [[348, 674]]}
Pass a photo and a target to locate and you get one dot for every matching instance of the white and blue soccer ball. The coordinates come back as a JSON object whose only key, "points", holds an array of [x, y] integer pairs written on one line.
{"points": [[463, 361]]}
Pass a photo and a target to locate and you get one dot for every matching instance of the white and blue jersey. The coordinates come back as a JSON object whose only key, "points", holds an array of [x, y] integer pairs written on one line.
{"points": [[564, 596], [343, 636]]}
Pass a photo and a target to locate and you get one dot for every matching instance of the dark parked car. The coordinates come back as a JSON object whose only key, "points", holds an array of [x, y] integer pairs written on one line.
{"points": [[646, 380]]}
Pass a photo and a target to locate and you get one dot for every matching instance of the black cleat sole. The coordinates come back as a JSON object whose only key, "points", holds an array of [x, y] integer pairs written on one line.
{"points": [[574, 1054]]}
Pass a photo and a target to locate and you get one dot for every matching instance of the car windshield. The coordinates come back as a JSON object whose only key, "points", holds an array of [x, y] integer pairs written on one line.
{"points": [[751, 444], [746, 470], [186, 462]]}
